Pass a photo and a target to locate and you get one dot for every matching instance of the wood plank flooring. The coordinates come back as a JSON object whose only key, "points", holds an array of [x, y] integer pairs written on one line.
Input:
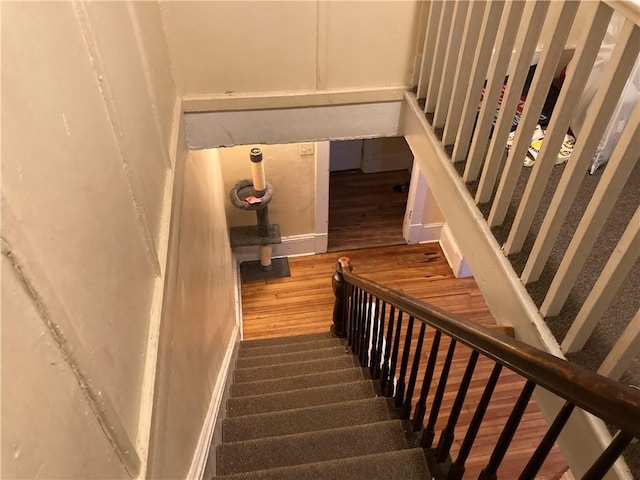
{"points": [[303, 303], [364, 210]]}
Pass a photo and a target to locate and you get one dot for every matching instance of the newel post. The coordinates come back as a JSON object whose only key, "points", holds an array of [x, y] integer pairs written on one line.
{"points": [[340, 291]]}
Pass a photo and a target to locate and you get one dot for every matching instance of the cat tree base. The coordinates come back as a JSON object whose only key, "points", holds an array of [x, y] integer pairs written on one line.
{"points": [[252, 271]]}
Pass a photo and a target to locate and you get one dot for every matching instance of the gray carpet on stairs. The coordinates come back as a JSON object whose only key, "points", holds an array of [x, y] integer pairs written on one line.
{"points": [[313, 417], [261, 387], [404, 465], [270, 372], [308, 397], [308, 419], [292, 340], [287, 348], [293, 357], [309, 447]]}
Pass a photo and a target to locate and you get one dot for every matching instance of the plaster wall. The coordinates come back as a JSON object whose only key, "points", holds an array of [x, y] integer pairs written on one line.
{"points": [[293, 178], [234, 47], [87, 108], [198, 317]]}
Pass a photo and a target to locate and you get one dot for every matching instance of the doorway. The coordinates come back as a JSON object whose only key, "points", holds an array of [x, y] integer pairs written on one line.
{"points": [[368, 191]]}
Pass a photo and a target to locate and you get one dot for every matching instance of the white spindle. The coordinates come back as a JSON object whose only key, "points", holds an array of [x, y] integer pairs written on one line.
{"points": [[452, 57], [618, 266], [490, 24], [430, 39], [553, 40], [577, 75], [507, 32], [435, 75], [616, 173], [463, 70], [526, 43], [598, 115], [623, 352]]}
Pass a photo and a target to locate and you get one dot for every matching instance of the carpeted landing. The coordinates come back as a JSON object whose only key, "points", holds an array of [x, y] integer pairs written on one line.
{"points": [[300, 408]]}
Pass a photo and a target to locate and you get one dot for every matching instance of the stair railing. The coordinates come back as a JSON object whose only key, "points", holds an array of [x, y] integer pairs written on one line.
{"points": [[384, 328], [470, 87]]}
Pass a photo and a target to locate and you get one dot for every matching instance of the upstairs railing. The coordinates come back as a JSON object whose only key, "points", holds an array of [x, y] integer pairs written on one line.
{"points": [[476, 62], [394, 336]]}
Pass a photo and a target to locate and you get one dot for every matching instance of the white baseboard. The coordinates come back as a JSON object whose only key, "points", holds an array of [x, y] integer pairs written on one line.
{"points": [[238, 296], [425, 233], [196, 472], [453, 255], [292, 246], [321, 242]]}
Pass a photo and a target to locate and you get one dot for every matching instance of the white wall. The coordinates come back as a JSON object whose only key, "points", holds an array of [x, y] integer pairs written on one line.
{"points": [[198, 318], [234, 47], [86, 119]]}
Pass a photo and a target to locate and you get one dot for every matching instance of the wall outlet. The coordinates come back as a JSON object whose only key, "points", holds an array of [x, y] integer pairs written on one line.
{"points": [[306, 149]]}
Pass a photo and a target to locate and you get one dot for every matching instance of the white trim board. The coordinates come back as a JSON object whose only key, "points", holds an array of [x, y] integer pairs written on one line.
{"points": [[323, 154], [199, 462], [293, 125], [238, 296], [424, 233], [291, 99], [453, 255], [177, 153], [292, 246]]}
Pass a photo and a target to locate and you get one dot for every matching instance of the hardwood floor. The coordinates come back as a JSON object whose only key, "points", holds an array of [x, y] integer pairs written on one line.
{"points": [[364, 210], [303, 303]]}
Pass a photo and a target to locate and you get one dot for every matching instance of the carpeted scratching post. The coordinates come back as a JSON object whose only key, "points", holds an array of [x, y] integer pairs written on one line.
{"points": [[255, 195]]}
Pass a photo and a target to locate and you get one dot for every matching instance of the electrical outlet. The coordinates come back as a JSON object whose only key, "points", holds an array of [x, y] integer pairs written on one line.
{"points": [[306, 149]]}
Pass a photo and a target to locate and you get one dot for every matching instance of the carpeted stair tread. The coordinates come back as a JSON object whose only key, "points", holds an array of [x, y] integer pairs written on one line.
{"points": [[270, 372], [267, 342], [301, 448], [295, 357], [289, 348], [263, 387], [407, 464], [309, 419], [291, 400]]}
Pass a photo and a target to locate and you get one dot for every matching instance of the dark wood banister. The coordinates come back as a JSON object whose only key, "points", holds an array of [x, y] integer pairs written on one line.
{"points": [[607, 399]]}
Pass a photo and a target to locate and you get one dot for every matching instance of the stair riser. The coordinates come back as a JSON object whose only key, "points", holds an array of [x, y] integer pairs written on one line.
{"points": [[289, 370], [335, 415], [266, 387], [291, 348], [295, 357], [313, 447], [237, 407], [403, 464], [269, 342]]}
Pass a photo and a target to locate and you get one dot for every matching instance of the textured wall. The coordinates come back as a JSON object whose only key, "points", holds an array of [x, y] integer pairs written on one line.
{"points": [[198, 317], [87, 100], [232, 47]]}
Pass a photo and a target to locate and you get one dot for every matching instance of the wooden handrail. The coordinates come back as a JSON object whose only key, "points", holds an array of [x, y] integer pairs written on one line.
{"points": [[609, 400], [628, 8]]}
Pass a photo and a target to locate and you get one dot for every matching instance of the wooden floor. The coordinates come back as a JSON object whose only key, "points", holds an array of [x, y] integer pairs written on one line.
{"points": [[364, 210], [303, 303]]}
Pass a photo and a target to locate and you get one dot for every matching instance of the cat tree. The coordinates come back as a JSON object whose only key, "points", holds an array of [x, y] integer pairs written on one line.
{"points": [[255, 194]]}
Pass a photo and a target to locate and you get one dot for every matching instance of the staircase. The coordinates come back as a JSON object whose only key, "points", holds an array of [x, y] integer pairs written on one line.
{"points": [[300, 407]]}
